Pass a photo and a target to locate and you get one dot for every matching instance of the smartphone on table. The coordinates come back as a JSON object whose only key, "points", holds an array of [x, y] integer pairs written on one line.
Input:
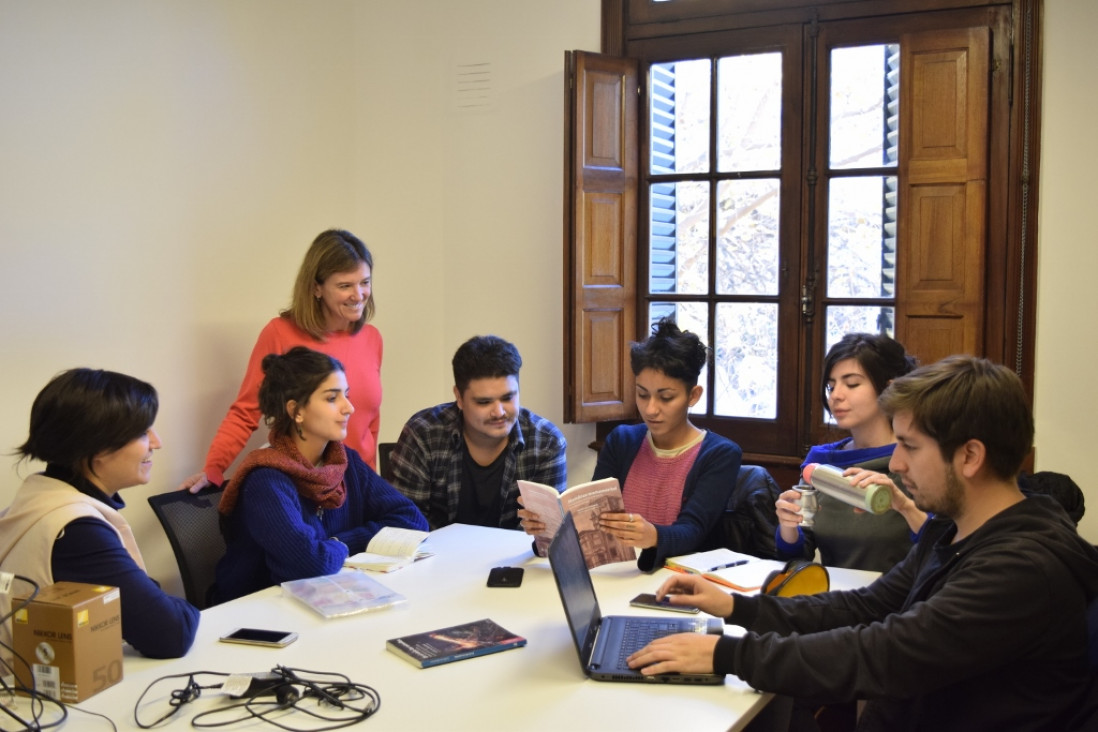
{"points": [[648, 600], [260, 637], [505, 577]]}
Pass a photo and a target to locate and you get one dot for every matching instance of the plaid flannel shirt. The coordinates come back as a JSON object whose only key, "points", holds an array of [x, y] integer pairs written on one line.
{"points": [[427, 462]]}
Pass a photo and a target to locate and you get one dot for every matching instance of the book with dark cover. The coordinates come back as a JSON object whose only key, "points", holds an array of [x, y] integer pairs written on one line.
{"points": [[456, 643]]}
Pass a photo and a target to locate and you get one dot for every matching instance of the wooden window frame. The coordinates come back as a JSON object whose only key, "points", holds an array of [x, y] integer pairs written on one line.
{"points": [[1008, 308]]}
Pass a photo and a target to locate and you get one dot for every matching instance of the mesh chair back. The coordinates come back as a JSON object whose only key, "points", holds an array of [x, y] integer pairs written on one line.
{"points": [[748, 522], [384, 462], [192, 524], [1092, 634]]}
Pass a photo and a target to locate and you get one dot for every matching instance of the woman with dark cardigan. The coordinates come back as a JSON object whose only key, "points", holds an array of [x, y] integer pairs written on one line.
{"points": [[675, 478]]}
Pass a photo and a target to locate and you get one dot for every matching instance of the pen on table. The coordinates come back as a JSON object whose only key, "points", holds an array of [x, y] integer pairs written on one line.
{"points": [[737, 563]]}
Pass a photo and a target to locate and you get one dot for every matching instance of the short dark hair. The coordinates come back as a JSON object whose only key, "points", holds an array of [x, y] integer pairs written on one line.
{"points": [[962, 398], [484, 357], [882, 358], [291, 376], [82, 413], [677, 353]]}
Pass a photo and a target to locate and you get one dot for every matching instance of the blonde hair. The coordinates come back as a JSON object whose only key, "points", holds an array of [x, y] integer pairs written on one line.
{"points": [[332, 252]]}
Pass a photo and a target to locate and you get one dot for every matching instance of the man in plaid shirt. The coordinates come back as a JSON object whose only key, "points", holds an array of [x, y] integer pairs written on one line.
{"points": [[459, 461]]}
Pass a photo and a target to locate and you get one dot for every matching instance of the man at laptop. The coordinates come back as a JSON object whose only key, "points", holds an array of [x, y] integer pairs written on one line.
{"points": [[982, 626], [459, 461]]}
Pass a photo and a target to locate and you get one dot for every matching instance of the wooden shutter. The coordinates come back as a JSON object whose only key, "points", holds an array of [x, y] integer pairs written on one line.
{"points": [[944, 77], [600, 249]]}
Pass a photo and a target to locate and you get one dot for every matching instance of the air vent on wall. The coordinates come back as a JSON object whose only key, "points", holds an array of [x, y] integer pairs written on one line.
{"points": [[473, 91]]}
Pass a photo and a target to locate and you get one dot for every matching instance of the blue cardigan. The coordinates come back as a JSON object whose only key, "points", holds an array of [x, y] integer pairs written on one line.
{"points": [[704, 496], [274, 535]]}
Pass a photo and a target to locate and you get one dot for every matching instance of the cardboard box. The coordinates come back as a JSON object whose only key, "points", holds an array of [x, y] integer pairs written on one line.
{"points": [[71, 635]]}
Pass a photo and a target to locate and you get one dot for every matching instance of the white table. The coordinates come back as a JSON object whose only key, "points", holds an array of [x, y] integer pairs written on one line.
{"points": [[538, 687]]}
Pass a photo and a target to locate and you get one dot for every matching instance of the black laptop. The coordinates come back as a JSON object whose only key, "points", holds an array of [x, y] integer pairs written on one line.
{"points": [[604, 643]]}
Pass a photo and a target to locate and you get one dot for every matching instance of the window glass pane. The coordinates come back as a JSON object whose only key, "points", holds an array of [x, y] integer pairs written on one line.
{"points": [[747, 237], [679, 239], [865, 97], [749, 112], [746, 360], [861, 237], [691, 316], [843, 319], [678, 112]]}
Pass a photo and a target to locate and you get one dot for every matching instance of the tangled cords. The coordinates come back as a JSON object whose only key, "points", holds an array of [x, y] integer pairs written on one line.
{"points": [[324, 696]]}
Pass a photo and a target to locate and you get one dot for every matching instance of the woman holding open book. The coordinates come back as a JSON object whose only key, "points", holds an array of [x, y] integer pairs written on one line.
{"points": [[301, 506], [856, 370], [675, 478]]}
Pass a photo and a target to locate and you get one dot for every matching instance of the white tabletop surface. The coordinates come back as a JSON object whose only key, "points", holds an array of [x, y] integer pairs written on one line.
{"points": [[537, 687]]}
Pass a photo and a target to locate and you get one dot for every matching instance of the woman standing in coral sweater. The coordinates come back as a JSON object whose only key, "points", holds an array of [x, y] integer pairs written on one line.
{"points": [[330, 311]]}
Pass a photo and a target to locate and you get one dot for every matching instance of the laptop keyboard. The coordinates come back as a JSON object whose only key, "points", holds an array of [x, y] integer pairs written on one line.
{"points": [[639, 632]]}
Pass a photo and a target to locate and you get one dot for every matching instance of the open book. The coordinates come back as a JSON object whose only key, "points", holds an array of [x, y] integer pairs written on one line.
{"points": [[389, 550], [738, 571], [586, 502]]}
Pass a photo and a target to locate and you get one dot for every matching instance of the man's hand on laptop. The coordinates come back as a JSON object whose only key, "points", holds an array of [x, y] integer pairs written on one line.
{"points": [[683, 653], [689, 589]]}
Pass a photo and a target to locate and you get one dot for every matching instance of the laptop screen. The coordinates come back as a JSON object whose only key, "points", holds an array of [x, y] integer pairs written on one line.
{"points": [[577, 593]]}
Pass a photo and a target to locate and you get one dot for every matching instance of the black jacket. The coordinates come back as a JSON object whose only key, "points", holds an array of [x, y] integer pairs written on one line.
{"points": [[985, 634]]}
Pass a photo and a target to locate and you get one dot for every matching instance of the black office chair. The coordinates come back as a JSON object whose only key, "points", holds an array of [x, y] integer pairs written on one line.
{"points": [[1092, 634], [384, 462], [191, 521], [748, 522], [1058, 486]]}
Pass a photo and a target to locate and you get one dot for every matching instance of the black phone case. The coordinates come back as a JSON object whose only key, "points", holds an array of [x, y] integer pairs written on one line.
{"points": [[505, 577]]}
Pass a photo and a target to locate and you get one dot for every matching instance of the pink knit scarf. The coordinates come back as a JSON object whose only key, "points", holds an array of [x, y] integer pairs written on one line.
{"points": [[323, 486]]}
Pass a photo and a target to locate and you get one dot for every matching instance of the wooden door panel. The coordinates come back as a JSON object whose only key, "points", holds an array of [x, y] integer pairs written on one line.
{"points": [[601, 160], [940, 267]]}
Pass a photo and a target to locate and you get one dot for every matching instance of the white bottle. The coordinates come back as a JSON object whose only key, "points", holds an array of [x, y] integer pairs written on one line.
{"points": [[830, 480]]}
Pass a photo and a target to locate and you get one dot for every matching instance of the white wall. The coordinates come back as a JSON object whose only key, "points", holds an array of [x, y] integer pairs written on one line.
{"points": [[1066, 389], [164, 165]]}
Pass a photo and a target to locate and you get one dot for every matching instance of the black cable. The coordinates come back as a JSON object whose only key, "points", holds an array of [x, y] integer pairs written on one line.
{"points": [[178, 697], [38, 706], [292, 695], [38, 701], [95, 714]]}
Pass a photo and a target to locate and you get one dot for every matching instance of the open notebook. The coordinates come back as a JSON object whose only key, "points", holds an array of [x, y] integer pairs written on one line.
{"points": [[737, 571]]}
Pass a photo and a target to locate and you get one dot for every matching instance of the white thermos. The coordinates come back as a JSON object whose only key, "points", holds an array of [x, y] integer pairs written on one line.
{"points": [[830, 480]]}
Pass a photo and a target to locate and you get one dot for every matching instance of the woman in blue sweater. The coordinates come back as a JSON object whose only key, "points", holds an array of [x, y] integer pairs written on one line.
{"points": [[94, 431], [856, 370], [301, 506]]}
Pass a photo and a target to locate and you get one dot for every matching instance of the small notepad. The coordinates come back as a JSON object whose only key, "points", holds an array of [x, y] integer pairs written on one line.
{"points": [[389, 550]]}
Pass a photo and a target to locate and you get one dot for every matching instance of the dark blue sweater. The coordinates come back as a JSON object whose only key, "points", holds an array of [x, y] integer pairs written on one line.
{"points": [[274, 535], [155, 623]]}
